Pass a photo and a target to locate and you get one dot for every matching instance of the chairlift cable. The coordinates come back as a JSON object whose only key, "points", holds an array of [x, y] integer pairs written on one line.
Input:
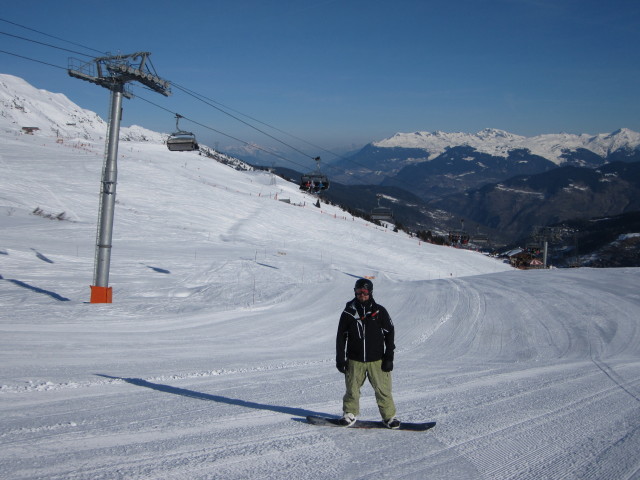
{"points": [[197, 96], [201, 97], [253, 145], [33, 60], [44, 43], [242, 121], [185, 89], [52, 36], [205, 100]]}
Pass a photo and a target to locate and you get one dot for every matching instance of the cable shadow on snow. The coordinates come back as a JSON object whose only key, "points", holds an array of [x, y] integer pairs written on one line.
{"points": [[36, 289], [269, 266], [158, 269], [297, 412], [350, 274], [41, 256], [604, 368]]}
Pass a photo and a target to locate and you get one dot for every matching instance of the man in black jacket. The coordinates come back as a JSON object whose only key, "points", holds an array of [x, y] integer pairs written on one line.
{"points": [[364, 349]]}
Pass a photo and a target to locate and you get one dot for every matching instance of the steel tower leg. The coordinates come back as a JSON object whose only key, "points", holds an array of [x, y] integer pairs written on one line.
{"points": [[100, 290]]}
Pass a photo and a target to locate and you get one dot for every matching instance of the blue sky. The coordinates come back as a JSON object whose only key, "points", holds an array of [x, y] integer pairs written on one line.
{"points": [[341, 73]]}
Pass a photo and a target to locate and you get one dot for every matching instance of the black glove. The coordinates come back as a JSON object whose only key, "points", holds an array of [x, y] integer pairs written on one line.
{"points": [[387, 365], [341, 365]]}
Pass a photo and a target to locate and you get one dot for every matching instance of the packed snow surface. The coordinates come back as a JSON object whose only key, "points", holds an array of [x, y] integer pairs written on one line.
{"points": [[221, 335]]}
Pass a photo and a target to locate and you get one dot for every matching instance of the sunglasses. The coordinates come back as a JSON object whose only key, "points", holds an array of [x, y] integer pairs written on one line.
{"points": [[361, 291]]}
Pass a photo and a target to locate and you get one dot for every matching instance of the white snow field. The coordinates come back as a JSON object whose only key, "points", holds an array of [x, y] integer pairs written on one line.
{"points": [[221, 336]]}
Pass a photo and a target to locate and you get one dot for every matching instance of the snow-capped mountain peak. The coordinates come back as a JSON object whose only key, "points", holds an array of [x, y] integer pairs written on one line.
{"points": [[499, 142]]}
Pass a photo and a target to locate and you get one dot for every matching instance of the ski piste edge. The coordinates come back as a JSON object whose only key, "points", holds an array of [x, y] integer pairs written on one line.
{"points": [[369, 424]]}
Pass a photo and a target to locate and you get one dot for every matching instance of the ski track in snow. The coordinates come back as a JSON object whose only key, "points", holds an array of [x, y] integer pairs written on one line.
{"points": [[559, 411], [221, 336]]}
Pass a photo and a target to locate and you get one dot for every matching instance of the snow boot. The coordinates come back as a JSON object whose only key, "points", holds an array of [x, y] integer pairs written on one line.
{"points": [[392, 423], [348, 419]]}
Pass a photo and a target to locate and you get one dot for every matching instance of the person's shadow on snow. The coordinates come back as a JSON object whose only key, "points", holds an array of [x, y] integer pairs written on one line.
{"points": [[299, 412]]}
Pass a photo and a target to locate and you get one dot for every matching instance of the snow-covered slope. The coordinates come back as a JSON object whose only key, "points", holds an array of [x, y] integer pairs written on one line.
{"points": [[53, 114], [499, 143], [221, 336]]}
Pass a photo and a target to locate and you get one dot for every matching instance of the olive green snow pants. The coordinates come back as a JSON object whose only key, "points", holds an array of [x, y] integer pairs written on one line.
{"points": [[354, 378]]}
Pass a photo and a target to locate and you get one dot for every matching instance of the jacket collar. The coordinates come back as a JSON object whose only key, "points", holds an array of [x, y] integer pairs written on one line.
{"points": [[364, 309]]}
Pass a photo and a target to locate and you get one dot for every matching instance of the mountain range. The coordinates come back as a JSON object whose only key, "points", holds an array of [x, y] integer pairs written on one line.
{"points": [[513, 207], [431, 165], [556, 147], [502, 184]]}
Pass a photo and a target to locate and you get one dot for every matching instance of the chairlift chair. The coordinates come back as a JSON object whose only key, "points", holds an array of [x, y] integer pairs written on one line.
{"points": [[459, 237], [314, 181], [381, 213], [181, 141], [533, 248], [480, 238], [305, 182]]}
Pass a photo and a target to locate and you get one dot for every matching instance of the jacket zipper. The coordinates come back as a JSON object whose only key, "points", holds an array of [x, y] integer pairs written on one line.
{"points": [[363, 336]]}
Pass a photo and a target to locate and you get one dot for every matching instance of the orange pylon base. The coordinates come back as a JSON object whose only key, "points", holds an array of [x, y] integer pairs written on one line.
{"points": [[101, 294]]}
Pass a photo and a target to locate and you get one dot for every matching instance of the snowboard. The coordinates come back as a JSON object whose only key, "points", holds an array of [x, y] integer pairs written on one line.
{"points": [[335, 422]]}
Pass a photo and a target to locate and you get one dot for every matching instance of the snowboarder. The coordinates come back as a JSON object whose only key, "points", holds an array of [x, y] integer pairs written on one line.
{"points": [[364, 349]]}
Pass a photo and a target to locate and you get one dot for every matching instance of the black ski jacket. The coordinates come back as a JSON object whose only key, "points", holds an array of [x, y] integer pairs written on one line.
{"points": [[365, 333]]}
